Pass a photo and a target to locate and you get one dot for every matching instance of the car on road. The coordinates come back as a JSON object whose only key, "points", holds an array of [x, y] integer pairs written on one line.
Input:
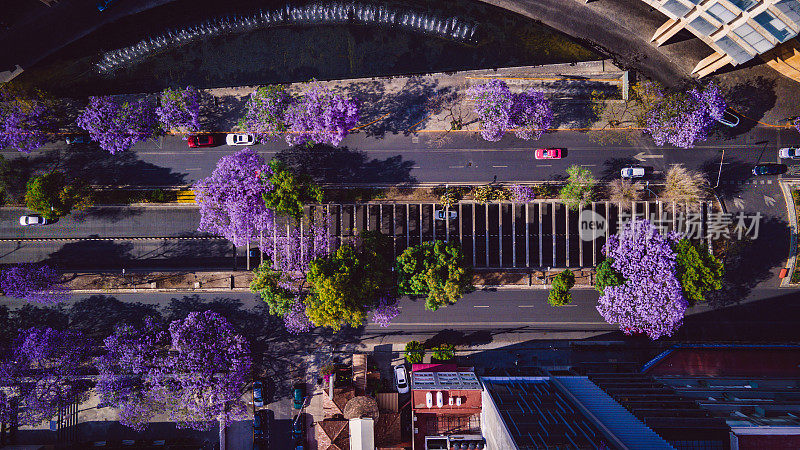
{"points": [[729, 118], [77, 139], [451, 214], [202, 140], [299, 432], [299, 395], [401, 378], [240, 139], [768, 169], [632, 172], [258, 398], [261, 426], [32, 219], [548, 153], [789, 153], [103, 5]]}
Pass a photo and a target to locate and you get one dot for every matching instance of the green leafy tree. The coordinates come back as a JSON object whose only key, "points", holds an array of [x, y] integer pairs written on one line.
{"points": [[290, 190], [579, 188], [698, 271], [606, 276], [444, 352], [346, 283], [415, 352], [267, 282], [436, 269], [51, 196], [559, 290]]}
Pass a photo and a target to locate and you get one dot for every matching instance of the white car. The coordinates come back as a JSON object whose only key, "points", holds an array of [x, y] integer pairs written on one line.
{"points": [[789, 153], [401, 378], [240, 139], [32, 219], [452, 214], [632, 172]]}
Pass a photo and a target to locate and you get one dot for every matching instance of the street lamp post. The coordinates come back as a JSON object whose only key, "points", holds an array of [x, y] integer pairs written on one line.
{"points": [[719, 174]]}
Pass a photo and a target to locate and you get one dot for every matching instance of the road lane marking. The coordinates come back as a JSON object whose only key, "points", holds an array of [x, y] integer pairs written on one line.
{"points": [[526, 306], [544, 165], [602, 325], [480, 306], [499, 166], [455, 167], [588, 165]]}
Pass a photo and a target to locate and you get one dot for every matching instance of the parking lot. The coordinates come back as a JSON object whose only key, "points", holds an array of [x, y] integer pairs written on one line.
{"points": [[502, 235]]}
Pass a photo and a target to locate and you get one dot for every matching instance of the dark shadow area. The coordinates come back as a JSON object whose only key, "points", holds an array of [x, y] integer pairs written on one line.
{"points": [[89, 255], [30, 316], [404, 109], [97, 316], [751, 261], [680, 36], [328, 164], [220, 113], [572, 113], [459, 338], [105, 213], [750, 100], [732, 170]]}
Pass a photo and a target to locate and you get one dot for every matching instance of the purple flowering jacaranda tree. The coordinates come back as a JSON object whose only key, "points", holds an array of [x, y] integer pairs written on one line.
{"points": [[195, 372], [41, 374], [320, 116], [23, 124], [116, 125], [529, 113], [650, 301], [265, 114], [33, 282], [385, 312], [683, 119], [179, 110], [296, 320], [230, 199], [520, 193]]}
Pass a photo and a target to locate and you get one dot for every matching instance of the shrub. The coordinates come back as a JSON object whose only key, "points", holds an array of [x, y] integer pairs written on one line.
{"points": [[559, 291], [414, 352], [444, 352], [487, 193], [579, 188]]}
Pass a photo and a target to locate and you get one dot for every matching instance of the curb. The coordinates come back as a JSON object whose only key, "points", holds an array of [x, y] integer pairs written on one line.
{"points": [[791, 261], [504, 287]]}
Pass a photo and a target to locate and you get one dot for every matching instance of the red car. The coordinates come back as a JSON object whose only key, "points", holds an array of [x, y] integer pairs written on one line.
{"points": [[548, 153], [202, 140]]}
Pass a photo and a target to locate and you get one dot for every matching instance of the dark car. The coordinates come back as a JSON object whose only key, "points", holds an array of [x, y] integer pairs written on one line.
{"points": [[299, 395], [202, 140], [261, 426], [77, 139], [258, 397], [769, 169], [299, 431]]}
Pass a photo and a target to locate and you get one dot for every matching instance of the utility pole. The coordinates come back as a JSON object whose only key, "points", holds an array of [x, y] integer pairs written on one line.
{"points": [[719, 174]]}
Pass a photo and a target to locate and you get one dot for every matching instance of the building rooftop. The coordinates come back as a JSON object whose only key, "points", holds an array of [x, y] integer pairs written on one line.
{"points": [[444, 381], [731, 361]]}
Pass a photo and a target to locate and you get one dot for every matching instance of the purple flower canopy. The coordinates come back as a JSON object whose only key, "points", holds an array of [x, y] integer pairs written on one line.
{"points": [[529, 113], [22, 125], [651, 300], [179, 109], [194, 372], [34, 283], [320, 116], [684, 121], [230, 199], [41, 368], [296, 320], [118, 126], [385, 312], [521, 193]]}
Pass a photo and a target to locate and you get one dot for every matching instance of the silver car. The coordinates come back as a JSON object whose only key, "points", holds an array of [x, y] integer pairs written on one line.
{"points": [[632, 172], [32, 219], [401, 378], [789, 153], [240, 139]]}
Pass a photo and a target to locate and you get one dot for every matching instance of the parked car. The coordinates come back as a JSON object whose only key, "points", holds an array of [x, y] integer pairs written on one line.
{"points": [[401, 378], [33, 219], [548, 153], [77, 139], [299, 431], [258, 398], [102, 5], [632, 172], [202, 140], [729, 118], [299, 395], [451, 214], [789, 153], [261, 426], [768, 169], [240, 139]]}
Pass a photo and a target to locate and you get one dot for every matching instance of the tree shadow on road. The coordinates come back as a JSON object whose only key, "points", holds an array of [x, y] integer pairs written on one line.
{"points": [[88, 255], [327, 164], [220, 113], [105, 213], [732, 170], [751, 100], [97, 316]]}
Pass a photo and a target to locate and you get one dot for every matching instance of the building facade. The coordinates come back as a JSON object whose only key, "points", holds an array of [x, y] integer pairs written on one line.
{"points": [[737, 30]]}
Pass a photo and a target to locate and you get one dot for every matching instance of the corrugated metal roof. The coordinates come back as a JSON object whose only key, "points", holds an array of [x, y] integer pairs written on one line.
{"points": [[629, 430]]}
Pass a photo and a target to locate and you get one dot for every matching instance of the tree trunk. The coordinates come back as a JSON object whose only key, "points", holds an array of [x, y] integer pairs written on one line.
{"points": [[221, 433]]}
